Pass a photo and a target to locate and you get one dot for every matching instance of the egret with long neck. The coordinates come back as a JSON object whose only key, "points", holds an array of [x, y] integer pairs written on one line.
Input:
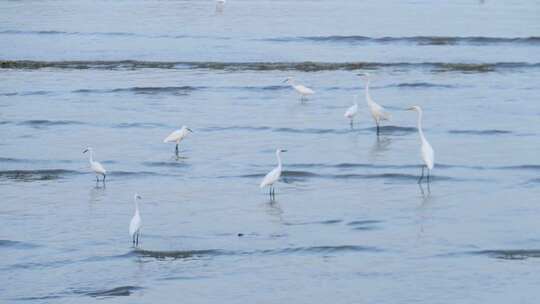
{"points": [[96, 166], [299, 88], [135, 224], [426, 151], [377, 111], [273, 176]]}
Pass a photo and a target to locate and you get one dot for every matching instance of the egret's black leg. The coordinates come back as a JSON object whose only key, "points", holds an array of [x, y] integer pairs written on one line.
{"points": [[133, 240], [378, 129], [137, 243], [428, 175], [104, 176], [97, 179], [421, 176]]}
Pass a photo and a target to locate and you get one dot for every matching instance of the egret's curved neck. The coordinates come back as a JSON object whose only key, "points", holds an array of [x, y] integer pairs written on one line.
{"points": [[278, 159], [91, 156], [368, 97], [136, 206], [419, 125]]}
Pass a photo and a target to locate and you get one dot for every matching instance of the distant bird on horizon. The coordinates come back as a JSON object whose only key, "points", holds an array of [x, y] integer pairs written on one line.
{"points": [[273, 176], [220, 4], [96, 166], [177, 136], [135, 224], [299, 88], [377, 111], [352, 110], [426, 151]]}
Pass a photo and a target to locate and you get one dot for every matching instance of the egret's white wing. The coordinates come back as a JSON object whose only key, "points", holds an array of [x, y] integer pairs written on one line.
{"points": [[351, 111], [428, 155], [98, 168], [173, 137], [271, 177], [135, 224], [304, 90]]}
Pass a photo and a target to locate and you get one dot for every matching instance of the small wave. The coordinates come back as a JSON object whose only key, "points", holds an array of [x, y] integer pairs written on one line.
{"points": [[422, 85], [114, 292], [521, 167], [39, 123], [364, 225], [235, 128], [417, 40], [515, 254], [17, 244], [142, 125], [35, 175], [326, 222], [394, 130], [480, 132], [319, 250], [181, 90], [166, 164], [178, 254], [306, 66], [311, 131], [135, 173]]}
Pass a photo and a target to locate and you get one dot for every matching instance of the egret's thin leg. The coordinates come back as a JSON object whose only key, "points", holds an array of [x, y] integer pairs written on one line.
{"points": [[97, 179], [137, 239], [428, 175], [176, 149], [104, 176], [378, 128], [421, 176]]}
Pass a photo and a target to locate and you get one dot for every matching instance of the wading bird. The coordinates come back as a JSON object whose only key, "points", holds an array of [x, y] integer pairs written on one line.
{"points": [[220, 4], [273, 176], [352, 110], [96, 166], [377, 111], [135, 224], [425, 149], [177, 136], [301, 89]]}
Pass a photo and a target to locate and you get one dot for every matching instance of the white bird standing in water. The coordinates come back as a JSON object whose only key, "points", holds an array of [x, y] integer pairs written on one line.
{"points": [[377, 111], [274, 175], [352, 110], [177, 136], [425, 149], [135, 224], [220, 4], [301, 89], [96, 166]]}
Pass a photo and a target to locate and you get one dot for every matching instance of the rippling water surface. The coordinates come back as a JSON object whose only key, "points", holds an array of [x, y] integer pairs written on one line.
{"points": [[349, 223]]}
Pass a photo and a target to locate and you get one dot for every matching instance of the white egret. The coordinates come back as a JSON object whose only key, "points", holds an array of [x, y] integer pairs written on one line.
{"points": [[301, 89], [96, 166], [274, 175], [377, 111], [220, 4], [426, 150], [135, 224], [177, 136], [352, 110]]}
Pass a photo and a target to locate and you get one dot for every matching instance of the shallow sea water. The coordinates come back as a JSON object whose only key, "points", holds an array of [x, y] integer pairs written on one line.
{"points": [[349, 223]]}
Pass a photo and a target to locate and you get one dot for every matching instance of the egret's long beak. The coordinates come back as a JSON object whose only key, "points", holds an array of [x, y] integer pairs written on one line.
{"points": [[86, 150], [283, 150], [410, 109], [189, 130], [285, 80], [139, 197]]}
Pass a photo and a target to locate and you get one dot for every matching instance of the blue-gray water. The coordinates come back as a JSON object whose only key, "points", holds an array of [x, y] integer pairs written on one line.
{"points": [[349, 225]]}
